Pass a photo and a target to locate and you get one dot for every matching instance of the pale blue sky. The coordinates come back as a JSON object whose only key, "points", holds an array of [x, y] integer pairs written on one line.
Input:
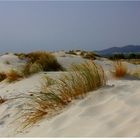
{"points": [[27, 26]]}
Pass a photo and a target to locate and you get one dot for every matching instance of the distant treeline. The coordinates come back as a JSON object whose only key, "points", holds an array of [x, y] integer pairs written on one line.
{"points": [[125, 56]]}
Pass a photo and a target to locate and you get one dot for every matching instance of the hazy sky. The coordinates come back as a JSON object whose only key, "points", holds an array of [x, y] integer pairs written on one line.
{"points": [[27, 26]]}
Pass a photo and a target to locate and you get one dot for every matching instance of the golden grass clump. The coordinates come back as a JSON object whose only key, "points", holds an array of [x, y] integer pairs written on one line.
{"points": [[120, 69], [81, 79], [40, 61], [47, 61], [55, 94], [12, 76], [2, 76]]}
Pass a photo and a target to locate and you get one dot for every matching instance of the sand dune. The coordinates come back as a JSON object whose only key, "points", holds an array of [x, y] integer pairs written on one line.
{"points": [[111, 111]]}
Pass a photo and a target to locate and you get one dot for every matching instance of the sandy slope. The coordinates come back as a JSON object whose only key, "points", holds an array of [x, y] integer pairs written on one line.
{"points": [[111, 111], [10, 61]]}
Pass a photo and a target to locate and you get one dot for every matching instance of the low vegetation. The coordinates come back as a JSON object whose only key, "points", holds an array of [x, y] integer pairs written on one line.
{"points": [[124, 56], [31, 68], [56, 94], [40, 61], [133, 61], [2, 76], [85, 54], [89, 55], [12, 76], [35, 62], [47, 61], [120, 70], [21, 56]]}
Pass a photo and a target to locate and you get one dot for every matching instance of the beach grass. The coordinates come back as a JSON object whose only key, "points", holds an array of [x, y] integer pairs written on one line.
{"points": [[56, 94]]}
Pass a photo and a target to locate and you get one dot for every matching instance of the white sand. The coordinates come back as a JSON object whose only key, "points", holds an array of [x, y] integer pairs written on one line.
{"points": [[111, 111], [10, 61]]}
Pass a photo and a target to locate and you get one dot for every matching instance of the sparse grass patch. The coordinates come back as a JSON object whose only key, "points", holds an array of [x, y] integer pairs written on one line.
{"points": [[12, 76], [120, 70], [41, 104], [55, 94]]}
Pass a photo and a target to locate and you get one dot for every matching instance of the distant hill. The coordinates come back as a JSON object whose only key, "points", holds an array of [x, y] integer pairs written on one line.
{"points": [[125, 50]]}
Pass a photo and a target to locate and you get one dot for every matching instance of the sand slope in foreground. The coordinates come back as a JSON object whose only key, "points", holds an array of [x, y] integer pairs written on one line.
{"points": [[112, 111]]}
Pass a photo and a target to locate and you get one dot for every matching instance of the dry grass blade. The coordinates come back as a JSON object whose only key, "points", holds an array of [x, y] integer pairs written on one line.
{"points": [[46, 60], [32, 116], [41, 104]]}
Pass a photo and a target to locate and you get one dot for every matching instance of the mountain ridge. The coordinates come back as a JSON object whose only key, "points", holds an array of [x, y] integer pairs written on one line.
{"points": [[125, 49]]}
